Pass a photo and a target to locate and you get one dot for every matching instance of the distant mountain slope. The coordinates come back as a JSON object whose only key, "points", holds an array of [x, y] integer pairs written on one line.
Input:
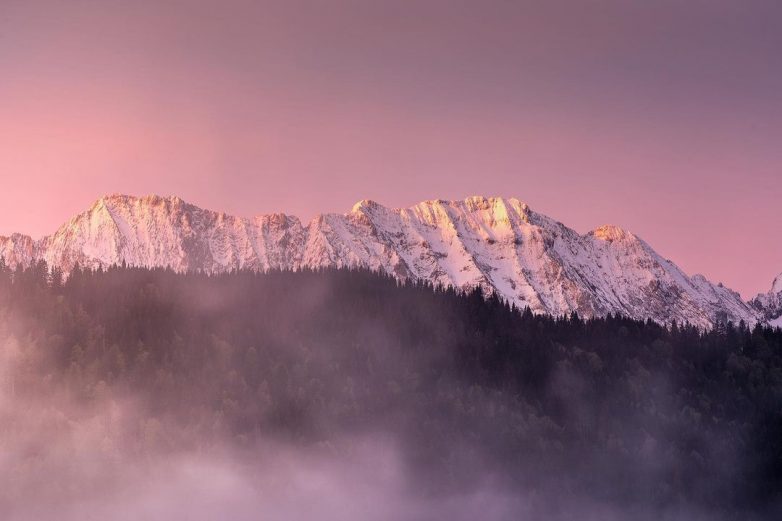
{"points": [[770, 304], [499, 244]]}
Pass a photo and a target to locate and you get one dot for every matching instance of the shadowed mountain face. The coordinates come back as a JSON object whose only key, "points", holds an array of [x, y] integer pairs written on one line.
{"points": [[344, 395], [500, 245], [770, 304]]}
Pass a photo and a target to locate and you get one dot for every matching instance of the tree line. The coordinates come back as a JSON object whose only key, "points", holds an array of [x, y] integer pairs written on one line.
{"points": [[625, 410]]}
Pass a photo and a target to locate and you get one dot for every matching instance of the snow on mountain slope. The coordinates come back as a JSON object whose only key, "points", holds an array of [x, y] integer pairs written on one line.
{"points": [[498, 244], [17, 249], [168, 232], [770, 304]]}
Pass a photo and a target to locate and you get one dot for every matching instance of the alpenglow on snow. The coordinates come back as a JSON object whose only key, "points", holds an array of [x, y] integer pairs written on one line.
{"points": [[496, 243]]}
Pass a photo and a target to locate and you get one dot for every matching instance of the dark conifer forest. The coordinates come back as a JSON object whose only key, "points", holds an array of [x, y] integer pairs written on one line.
{"points": [[609, 418]]}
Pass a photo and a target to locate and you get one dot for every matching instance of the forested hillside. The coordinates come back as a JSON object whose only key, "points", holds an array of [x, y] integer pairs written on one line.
{"points": [[609, 413]]}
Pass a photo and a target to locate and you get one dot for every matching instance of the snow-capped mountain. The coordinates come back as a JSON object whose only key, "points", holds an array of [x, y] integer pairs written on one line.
{"points": [[499, 244], [770, 304]]}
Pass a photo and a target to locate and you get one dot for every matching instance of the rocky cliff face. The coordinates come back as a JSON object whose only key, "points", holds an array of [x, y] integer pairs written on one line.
{"points": [[769, 305], [499, 244]]}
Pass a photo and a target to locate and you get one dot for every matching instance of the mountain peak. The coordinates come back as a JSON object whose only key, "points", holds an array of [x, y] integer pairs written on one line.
{"points": [[611, 233], [148, 199], [770, 303], [364, 204], [480, 202]]}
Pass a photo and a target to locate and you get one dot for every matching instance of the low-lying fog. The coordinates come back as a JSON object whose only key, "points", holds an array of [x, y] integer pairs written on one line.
{"points": [[64, 460], [342, 396]]}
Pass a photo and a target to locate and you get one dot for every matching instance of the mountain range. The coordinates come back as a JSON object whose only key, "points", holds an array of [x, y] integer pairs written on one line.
{"points": [[499, 244]]}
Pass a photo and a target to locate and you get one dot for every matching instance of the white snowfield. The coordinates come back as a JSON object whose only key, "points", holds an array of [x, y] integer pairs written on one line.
{"points": [[496, 243]]}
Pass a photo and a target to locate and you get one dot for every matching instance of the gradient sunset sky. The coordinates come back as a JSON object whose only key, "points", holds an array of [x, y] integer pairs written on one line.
{"points": [[661, 116]]}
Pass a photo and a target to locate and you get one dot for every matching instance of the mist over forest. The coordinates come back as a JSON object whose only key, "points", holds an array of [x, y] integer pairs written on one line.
{"points": [[345, 394]]}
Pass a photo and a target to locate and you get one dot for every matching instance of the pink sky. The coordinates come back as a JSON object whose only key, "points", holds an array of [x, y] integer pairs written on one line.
{"points": [[662, 117]]}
